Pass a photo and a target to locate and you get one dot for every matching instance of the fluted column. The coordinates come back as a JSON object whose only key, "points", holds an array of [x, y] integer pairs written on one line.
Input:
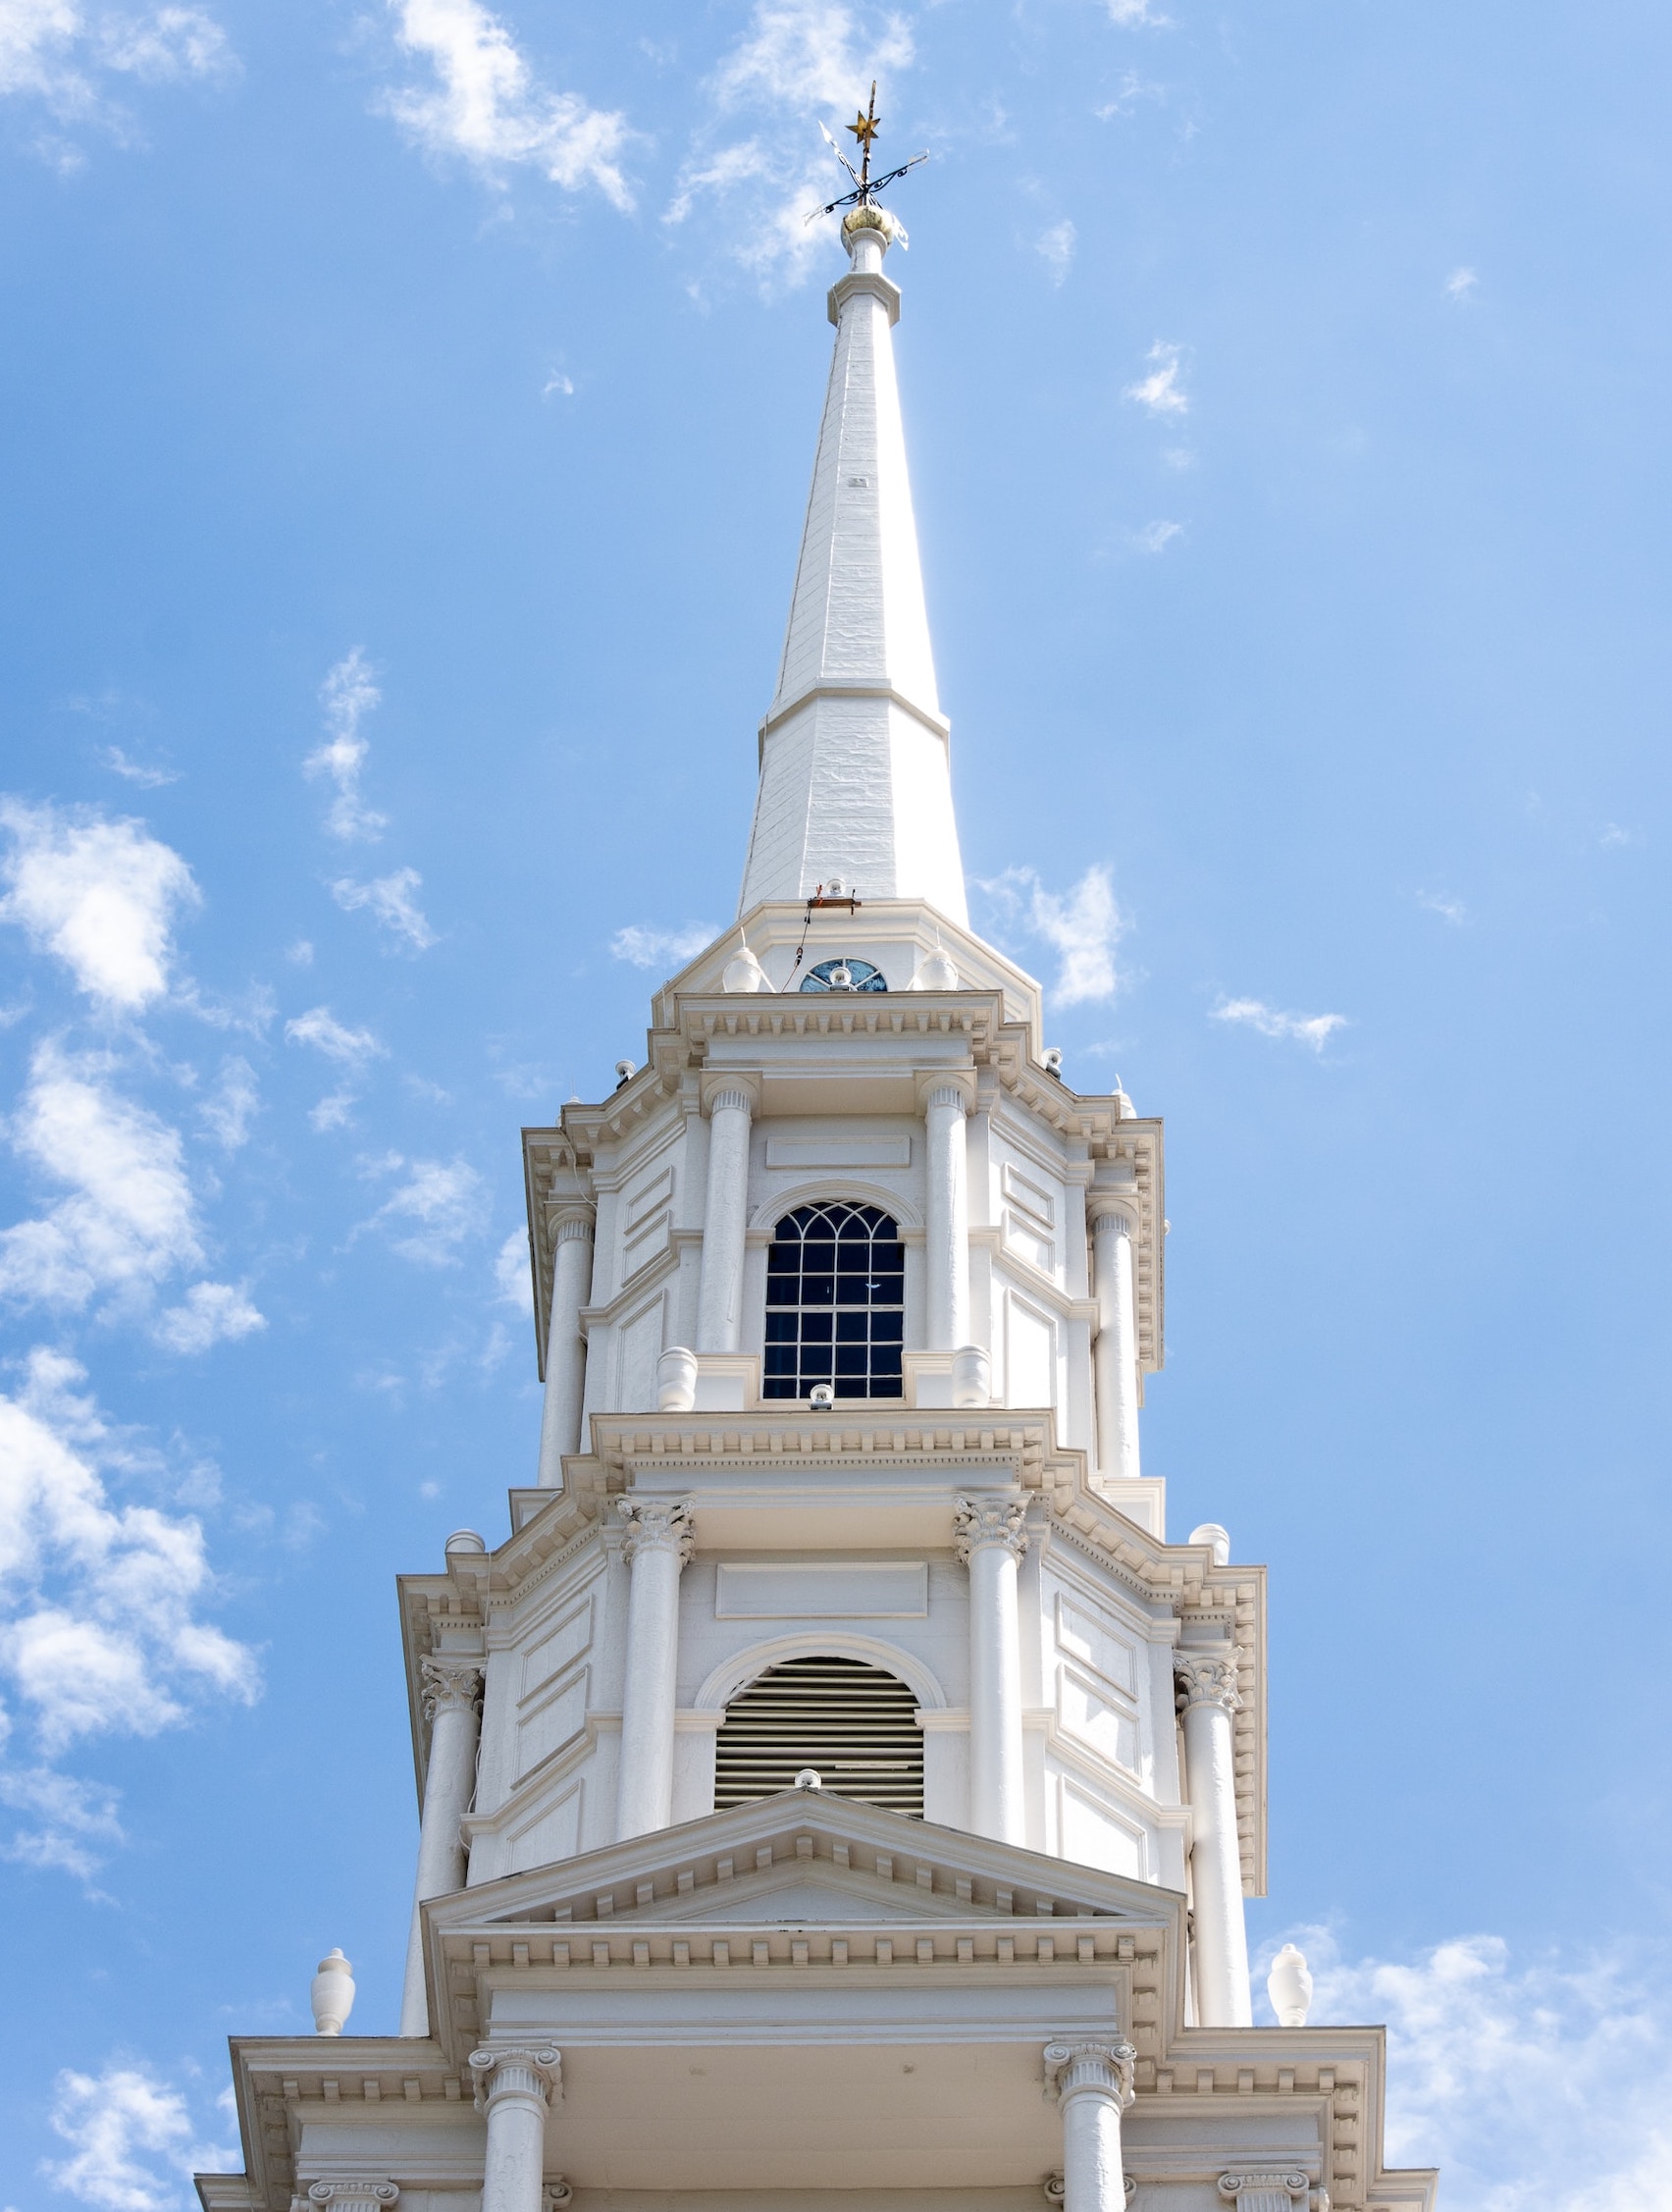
{"points": [[1208, 1698], [452, 1704], [991, 1542], [566, 1349], [1115, 1355], [659, 1542], [946, 1253], [515, 2087], [1093, 2081], [720, 1299]]}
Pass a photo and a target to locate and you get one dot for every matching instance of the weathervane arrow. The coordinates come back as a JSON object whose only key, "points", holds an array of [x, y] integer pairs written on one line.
{"points": [[865, 129]]}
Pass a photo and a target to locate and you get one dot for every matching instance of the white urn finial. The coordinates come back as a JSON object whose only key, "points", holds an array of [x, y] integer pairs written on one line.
{"points": [[1289, 1988], [333, 1994]]}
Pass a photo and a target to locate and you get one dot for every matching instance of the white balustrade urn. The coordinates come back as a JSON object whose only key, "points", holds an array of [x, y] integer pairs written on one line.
{"points": [[451, 1698], [1289, 1988], [744, 972], [1217, 1537], [352, 2195], [991, 1537], [676, 1379], [1093, 2082], [935, 972], [515, 2084], [331, 1994], [658, 1537], [1208, 1697]]}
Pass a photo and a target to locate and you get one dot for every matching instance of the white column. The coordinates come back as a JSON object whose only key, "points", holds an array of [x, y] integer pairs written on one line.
{"points": [[565, 1350], [1093, 2082], [659, 1538], [1207, 1696], [720, 1299], [947, 1212], [452, 1706], [991, 1541], [514, 2087], [1115, 1357]]}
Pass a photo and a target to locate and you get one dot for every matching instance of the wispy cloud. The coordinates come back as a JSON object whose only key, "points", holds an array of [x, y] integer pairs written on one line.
{"points": [[392, 905], [1530, 2082], [131, 2140], [1314, 1030], [1160, 392], [1441, 903], [1128, 15], [65, 56], [347, 695], [1055, 248], [757, 156], [231, 1106], [1460, 286], [484, 106], [557, 382], [128, 1218], [648, 947], [99, 895], [213, 1313], [147, 778], [1156, 536], [320, 1027], [1082, 925], [100, 1631], [439, 1206], [510, 1271]]}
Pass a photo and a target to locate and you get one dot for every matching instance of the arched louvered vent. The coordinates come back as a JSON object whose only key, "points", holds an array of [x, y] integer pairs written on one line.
{"points": [[853, 1725]]}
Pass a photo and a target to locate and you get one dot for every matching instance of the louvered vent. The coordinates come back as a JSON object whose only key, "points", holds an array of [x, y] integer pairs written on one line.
{"points": [[853, 1725]]}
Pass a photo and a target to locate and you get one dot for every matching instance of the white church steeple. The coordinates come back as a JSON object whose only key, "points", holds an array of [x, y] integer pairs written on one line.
{"points": [[855, 772]]}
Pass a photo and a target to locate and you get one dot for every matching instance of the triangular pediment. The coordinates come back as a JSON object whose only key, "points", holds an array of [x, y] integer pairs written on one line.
{"points": [[808, 1856]]}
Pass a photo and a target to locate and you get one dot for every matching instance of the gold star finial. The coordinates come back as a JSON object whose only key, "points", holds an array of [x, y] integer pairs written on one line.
{"points": [[864, 129]]}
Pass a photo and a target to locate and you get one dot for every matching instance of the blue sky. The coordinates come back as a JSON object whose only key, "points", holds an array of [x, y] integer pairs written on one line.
{"points": [[406, 412]]}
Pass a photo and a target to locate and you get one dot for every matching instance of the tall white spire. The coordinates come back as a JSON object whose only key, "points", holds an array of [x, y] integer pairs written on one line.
{"points": [[855, 773]]}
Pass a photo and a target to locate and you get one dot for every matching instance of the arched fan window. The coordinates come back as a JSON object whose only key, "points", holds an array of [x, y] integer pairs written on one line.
{"points": [[835, 1304], [853, 1725]]}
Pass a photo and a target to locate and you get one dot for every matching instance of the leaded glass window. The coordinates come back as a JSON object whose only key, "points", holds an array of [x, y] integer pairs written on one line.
{"points": [[835, 1304]]}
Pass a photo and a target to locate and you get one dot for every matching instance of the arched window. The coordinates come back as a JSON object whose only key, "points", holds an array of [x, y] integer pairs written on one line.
{"points": [[854, 1725], [835, 1304]]}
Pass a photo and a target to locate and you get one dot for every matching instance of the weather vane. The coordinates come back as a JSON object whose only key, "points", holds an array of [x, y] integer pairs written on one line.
{"points": [[865, 129]]}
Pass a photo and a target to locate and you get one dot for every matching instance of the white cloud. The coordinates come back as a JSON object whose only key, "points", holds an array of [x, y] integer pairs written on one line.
{"points": [[56, 52], [98, 1633], [1156, 536], [1314, 1030], [1530, 2083], [392, 904], [510, 1271], [76, 1821], [233, 1105], [99, 895], [1128, 15], [130, 2137], [320, 1027], [129, 1219], [440, 1204], [758, 158], [557, 382], [486, 107], [347, 695], [213, 1313], [1159, 390], [1082, 925], [1055, 248], [1460, 286], [1449, 908], [647, 947], [136, 771]]}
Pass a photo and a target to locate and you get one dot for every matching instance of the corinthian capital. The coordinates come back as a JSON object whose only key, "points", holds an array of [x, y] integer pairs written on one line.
{"points": [[1108, 2069], [532, 2072], [450, 1686], [657, 1524], [1206, 1680], [1280, 2192], [978, 1522]]}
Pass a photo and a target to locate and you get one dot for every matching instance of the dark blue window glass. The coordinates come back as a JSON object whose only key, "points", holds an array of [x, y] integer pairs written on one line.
{"points": [[835, 1304]]}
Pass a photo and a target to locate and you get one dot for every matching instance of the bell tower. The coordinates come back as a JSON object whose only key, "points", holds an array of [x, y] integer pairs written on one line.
{"points": [[837, 1786]]}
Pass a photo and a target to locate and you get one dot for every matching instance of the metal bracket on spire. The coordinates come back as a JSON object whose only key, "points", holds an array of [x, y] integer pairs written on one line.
{"points": [[866, 127]]}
